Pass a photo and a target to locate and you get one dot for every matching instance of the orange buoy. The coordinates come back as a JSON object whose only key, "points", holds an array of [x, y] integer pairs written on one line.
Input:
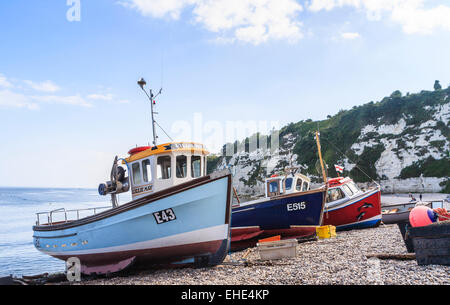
{"points": [[422, 216]]}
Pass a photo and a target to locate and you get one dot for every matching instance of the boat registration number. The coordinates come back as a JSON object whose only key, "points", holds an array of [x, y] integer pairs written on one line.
{"points": [[164, 216], [296, 206]]}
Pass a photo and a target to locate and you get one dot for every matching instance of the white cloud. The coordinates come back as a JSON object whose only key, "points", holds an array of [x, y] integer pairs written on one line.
{"points": [[99, 96], [4, 82], [47, 86], [350, 35], [413, 15], [158, 8], [252, 21], [12, 97], [16, 100], [75, 100], [107, 97]]}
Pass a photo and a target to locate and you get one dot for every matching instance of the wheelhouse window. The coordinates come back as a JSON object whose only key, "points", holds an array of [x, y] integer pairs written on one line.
{"points": [[164, 167], [298, 186], [353, 187], [347, 189], [136, 173], [146, 170], [273, 187], [196, 166], [335, 194], [305, 186], [288, 183], [181, 166]]}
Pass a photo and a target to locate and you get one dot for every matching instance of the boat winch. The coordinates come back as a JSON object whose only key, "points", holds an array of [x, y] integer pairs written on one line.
{"points": [[119, 183]]}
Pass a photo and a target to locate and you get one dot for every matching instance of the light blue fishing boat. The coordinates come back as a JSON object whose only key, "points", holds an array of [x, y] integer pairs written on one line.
{"points": [[178, 215]]}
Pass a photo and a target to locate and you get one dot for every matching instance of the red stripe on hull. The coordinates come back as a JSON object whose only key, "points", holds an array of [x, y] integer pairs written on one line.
{"points": [[355, 212], [163, 255]]}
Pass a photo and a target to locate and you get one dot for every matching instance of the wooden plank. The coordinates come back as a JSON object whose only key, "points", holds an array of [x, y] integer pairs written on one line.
{"points": [[407, 256]]}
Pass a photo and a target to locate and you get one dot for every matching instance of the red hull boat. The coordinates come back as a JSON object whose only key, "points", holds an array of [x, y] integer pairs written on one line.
{"points": [[348, 207]]}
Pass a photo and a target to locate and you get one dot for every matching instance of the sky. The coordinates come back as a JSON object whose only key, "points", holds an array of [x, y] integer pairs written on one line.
{"points": [[69, 101]]}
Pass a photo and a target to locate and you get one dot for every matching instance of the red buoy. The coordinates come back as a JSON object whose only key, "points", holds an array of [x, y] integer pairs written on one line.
{"points": [[138, 150]]}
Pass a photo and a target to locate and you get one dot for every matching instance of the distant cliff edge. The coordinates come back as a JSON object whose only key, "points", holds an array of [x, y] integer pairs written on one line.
{"points": [[402, 142]]}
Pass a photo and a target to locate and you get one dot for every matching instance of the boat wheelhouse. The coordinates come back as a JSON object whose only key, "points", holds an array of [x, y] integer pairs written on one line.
{"points": [[156, 168], [286, 184]]}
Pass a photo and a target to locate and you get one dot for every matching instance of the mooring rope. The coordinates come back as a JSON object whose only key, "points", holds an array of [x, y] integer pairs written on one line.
{"points": [[356, 165]]}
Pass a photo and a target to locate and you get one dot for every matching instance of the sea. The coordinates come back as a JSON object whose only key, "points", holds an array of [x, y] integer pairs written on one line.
{"points": [[18, 208]]}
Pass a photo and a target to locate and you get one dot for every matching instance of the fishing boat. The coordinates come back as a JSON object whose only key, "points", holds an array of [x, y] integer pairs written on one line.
{"points": [[178, 214], [397, 212], [432, 243], [346, 206], [349, 207], [289, 209]]}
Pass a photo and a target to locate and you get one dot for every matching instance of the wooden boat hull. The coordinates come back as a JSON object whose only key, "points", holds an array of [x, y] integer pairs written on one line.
{"points": [[403, 210], [432, 244], [292, 216], [195, 229], [361, 212], [404, 229], [394, 218]]}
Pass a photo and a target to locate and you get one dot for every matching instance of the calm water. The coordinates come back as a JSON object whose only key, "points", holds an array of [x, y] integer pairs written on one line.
{"points": [[18, 208]]}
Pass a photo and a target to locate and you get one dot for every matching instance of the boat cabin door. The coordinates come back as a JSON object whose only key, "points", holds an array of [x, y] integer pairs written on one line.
{"points": [[273, 187]]}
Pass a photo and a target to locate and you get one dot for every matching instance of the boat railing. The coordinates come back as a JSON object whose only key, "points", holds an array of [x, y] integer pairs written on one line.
{"points": [[66, 215]]}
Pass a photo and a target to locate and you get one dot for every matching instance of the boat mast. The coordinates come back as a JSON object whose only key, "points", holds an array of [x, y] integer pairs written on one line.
{"points": [[320, 157], [151, 97]]}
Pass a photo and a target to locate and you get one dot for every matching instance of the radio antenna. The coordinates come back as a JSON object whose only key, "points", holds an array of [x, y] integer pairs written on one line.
{"points": [[151, 97]]}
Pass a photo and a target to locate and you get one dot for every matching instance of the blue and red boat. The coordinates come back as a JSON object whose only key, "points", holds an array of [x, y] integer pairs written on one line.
{"points": [[289, 210], [349, 207]]}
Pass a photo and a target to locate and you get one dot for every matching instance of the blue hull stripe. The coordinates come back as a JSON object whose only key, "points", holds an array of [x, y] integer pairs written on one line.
{"points": [[304, 209], [359, 225]]}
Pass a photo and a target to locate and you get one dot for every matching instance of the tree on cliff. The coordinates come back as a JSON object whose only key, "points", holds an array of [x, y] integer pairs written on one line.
{"points": [[437, 86]]}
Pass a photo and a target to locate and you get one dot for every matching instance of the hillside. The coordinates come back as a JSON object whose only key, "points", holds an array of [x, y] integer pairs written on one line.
{"points": [[402, 142]]}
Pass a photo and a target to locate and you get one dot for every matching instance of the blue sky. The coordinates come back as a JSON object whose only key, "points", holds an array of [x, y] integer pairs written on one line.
{"points": [[68, 95]]}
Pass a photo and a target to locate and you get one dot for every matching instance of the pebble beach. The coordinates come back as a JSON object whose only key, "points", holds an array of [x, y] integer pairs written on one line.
{"points": [[340, 260]]}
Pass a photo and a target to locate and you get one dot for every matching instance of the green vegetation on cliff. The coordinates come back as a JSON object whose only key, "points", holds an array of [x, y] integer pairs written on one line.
{"points": [[339, 132]]}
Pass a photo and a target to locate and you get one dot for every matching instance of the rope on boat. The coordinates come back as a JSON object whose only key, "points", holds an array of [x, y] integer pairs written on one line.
{"points": [[442, 213], [356, 165], [164, 131]]}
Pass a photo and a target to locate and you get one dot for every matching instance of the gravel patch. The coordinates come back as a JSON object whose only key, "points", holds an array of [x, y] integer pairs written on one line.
{"points": [[340, 260]]}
